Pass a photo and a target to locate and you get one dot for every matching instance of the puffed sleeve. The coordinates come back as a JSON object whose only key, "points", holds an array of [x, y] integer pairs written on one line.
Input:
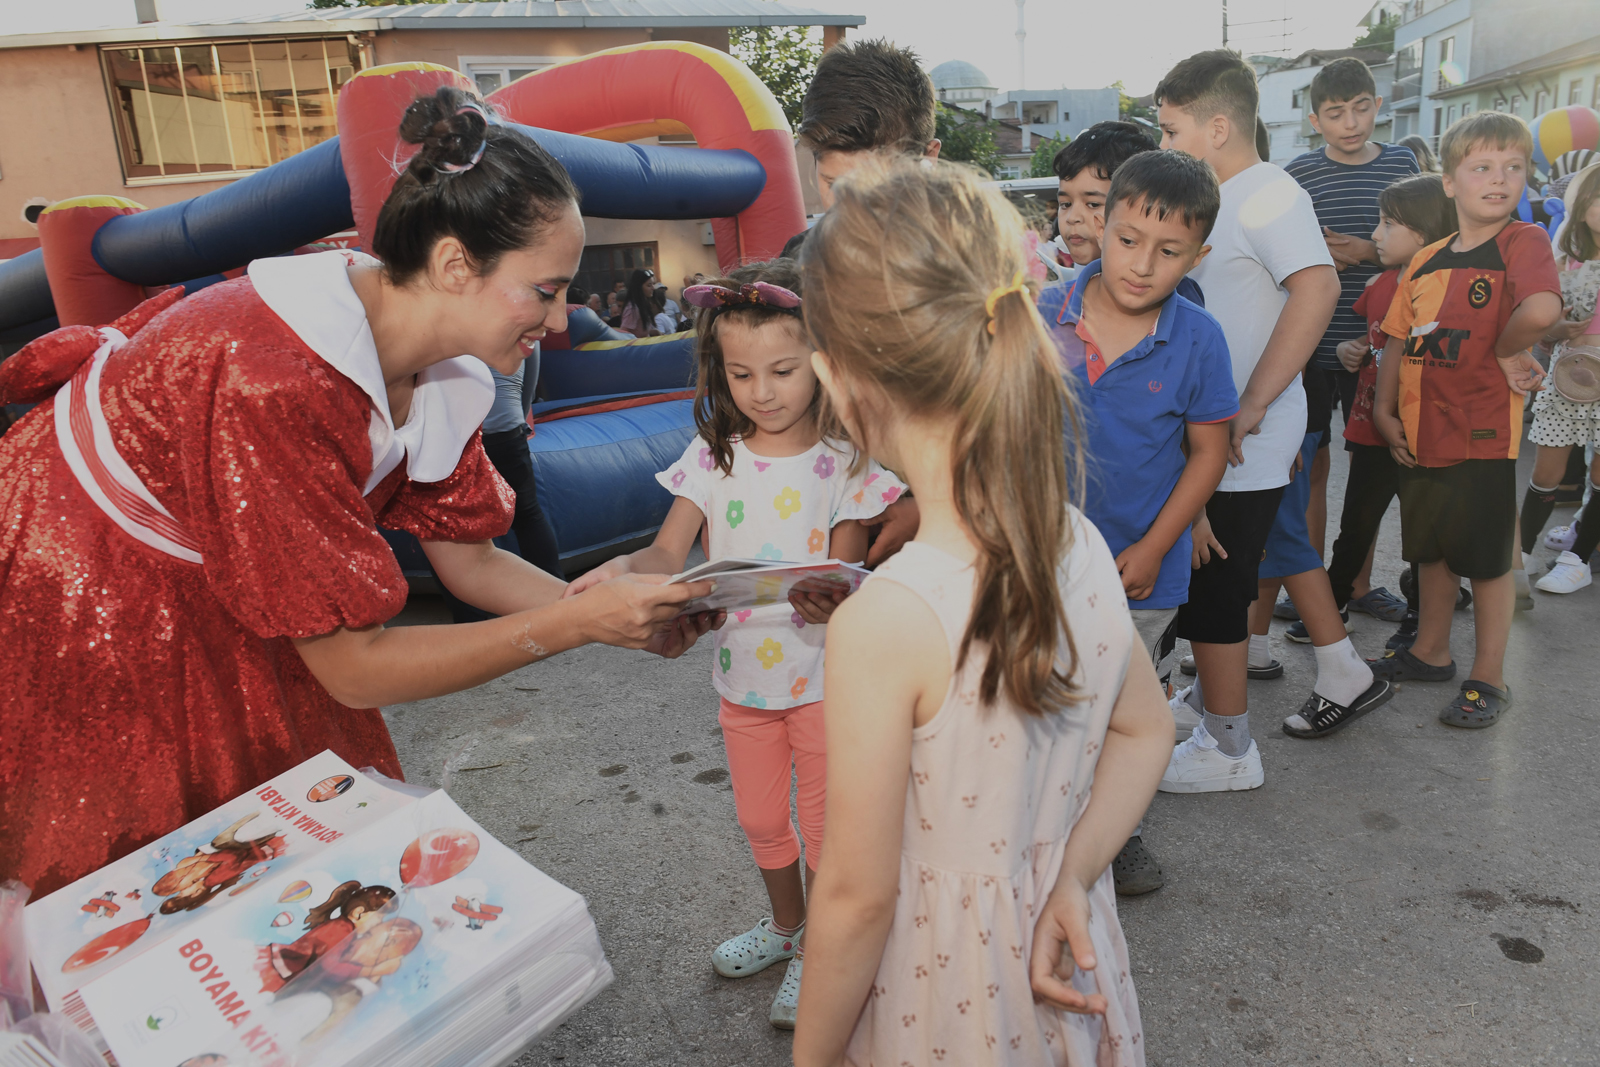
{"points": [[690, 477], [865, 495], [275, 492], [473, 504]]}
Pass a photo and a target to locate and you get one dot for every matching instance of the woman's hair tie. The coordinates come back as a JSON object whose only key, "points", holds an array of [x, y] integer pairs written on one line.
{"points": [[999, 292]]}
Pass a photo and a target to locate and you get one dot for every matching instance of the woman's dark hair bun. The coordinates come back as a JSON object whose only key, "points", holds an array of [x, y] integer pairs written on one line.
{"points": [[485, 183], [450, 125]]}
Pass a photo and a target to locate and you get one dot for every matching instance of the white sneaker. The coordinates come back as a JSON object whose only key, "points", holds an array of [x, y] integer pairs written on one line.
{"points": [[787, 1002], [1561, 538], [754, 951], [1568, 575], [1184, 717], [1198, 766]]}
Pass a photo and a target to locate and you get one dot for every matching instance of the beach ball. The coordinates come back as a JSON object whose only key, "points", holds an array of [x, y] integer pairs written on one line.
{"points": [[295, 892], [1563, 130], [436, 856]]}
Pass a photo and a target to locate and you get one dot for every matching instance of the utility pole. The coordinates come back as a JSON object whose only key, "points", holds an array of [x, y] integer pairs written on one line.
{"points": [[1022, 47], [1224, 23]]}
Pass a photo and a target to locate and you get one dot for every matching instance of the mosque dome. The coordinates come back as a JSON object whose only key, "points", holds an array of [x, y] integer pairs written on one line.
{"points": [[959, 74]]}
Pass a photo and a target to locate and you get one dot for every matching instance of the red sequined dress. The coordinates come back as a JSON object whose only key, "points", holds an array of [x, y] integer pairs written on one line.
{"points": [[139, 690]]}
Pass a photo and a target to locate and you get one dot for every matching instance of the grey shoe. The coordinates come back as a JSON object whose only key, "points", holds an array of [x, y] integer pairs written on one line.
{"points": [[787, 1002], [1380, 604], [1284, 609], [1135, 871]]}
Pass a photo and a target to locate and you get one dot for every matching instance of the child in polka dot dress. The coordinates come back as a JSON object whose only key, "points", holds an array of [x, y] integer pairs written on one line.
{"points": [[764, 482], [992, 738]]}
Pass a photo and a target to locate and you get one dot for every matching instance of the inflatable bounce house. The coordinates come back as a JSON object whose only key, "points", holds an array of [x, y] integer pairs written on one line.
{"points": [[617, 409]]}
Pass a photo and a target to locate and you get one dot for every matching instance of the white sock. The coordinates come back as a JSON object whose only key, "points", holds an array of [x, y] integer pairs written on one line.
{"points": [[1260, 651], [1342, 675]]}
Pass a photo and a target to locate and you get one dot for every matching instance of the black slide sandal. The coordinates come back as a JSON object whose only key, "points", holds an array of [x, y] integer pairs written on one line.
{"points": [[1323, 717]]}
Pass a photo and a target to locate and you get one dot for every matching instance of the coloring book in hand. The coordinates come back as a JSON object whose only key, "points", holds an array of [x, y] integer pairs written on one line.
{"points": [[325, 919], [756, 583]]}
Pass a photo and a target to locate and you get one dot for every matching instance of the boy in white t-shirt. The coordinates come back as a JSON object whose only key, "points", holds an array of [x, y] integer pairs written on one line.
{"points": [[1271, 283]]}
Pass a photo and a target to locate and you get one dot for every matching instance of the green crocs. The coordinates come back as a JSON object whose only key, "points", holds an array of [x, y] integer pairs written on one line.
{"points": [[1478, 705]]}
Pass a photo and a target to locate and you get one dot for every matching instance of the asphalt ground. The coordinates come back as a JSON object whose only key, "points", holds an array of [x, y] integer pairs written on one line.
{"points": [[1398, 893]]}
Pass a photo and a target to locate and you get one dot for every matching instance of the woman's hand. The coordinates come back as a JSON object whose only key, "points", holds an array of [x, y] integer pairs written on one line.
{"points": [[1064, 924], [1352, 354], [614, 568], [637, 610], [1205, 542]]}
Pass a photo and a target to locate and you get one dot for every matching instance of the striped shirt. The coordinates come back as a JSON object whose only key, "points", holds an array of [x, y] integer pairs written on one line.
{"points": [[1345, 198]]}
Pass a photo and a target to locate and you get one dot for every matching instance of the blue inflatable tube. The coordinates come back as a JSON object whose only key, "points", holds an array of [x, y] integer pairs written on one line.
{"points": [[657, 363], [24, 291]]}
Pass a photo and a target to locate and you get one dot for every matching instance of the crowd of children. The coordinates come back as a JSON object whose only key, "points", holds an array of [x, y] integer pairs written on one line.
{"points": [[1218, 308]]}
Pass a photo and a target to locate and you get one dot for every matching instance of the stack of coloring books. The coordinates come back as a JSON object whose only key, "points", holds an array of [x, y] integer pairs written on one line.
{"points": [[329, 918]]}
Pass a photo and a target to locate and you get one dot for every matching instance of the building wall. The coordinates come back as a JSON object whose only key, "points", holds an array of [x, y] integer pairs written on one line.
{"points": [[62, 142], [679, 246], [1510, 32], [1082, 108]]}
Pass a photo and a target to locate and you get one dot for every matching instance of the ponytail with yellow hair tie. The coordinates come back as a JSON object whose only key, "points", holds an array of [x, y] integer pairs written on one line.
{"points": [[1018, 285]]}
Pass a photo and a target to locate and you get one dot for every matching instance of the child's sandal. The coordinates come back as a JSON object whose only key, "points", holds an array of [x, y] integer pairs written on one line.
{"points": [[1320, 716], [1399, 665], [1477, 706]]}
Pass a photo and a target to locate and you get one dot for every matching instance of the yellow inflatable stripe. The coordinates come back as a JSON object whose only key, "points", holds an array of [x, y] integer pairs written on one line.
{"points": [[398, 68], [602, 346], [761, 108], [93, 201], [637, 130]]}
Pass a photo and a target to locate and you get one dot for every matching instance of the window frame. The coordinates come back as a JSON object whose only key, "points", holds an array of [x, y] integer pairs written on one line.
{"points": [[472, 66], [584, 274], [121, 127]]}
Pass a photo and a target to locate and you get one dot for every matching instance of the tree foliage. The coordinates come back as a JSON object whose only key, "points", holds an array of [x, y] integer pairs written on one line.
{"points": [[1130, 110], [966, 139], [783, 57], [1380, 36], [1044, 157]]}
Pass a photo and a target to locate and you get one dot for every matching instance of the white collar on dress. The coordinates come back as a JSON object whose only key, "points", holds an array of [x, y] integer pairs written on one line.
{"points": [[312, 294]]}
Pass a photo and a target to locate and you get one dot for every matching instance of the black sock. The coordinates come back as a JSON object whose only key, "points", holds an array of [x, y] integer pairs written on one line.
{"points": [[1537, 504], [1588, 526]]}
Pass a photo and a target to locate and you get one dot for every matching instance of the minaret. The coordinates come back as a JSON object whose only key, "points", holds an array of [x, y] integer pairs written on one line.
{"points": [[1022, 47]]}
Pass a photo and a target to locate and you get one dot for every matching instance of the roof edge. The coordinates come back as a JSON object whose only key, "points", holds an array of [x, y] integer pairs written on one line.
{"points": [[166, 31]]}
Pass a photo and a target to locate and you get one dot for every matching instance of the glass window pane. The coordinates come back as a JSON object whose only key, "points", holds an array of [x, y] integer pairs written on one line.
{"points": [[171, 118], [520, 72], [311, 77], [279, 118], [245, 125], [135, 135], [206, 119], [488, 81]]}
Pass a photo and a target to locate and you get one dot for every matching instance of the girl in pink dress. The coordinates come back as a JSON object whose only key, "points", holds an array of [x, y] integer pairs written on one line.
{"points": [[192, 583], [992, 740]]}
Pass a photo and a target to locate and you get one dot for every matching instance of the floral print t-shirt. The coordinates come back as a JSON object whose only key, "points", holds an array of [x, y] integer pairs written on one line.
{"points": [[777, 508]]}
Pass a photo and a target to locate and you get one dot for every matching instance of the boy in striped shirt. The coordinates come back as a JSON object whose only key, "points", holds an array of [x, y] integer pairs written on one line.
{"points": [[1344, 178]]}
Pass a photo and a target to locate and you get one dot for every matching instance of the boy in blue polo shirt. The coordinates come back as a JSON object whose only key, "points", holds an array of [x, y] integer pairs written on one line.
{"points": [[1152, 372]]}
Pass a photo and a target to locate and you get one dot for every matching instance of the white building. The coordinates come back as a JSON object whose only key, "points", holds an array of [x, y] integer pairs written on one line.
{"points": [[1040, 113]]}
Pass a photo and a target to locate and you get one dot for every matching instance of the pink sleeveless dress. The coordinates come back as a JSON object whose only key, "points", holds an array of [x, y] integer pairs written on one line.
{"points": [[992, 797]]}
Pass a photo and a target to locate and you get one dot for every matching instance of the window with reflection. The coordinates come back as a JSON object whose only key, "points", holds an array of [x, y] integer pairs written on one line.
{"points": [[222, 107]]}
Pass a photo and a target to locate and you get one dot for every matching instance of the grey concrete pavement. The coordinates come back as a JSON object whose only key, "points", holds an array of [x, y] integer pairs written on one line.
{"points": [[1398, 893]]}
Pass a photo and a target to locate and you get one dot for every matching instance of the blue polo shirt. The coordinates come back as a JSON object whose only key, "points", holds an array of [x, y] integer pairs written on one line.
{"points": [[1134, 414]]}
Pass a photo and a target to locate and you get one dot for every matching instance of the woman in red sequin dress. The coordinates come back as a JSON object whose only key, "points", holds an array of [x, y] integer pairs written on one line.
{"points": [[192, 582]]}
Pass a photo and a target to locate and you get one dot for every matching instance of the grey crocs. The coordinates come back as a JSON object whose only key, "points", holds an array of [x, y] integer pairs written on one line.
{"points": [[1135, 871], [1477, 706], [1399, 665]]}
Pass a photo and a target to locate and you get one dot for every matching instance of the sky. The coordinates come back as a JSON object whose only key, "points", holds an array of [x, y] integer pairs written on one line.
{"points": [[1079, 44]]}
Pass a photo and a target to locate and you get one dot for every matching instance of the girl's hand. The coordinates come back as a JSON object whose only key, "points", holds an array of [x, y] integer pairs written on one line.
{"points": [[614, 568], [1205, 542], [1064, 924], [1522, 372], [816, 607], [1352, 354], [681, 634], [1567, 329]]}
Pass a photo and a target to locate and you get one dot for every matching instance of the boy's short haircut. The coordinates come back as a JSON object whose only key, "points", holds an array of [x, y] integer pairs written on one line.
{"points": [[1167, 183], [1418, 203], [1341, 81], [1103, 147], [868, 95], [1218, 82], [1494, 128]]}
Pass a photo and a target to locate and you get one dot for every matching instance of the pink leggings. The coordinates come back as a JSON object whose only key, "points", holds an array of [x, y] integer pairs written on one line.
{"points": [[761, 746]]}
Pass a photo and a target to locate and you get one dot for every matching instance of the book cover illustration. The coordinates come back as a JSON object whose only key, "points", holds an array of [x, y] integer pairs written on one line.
{"points": [[756, 583], [104, 919], [361, 954]]}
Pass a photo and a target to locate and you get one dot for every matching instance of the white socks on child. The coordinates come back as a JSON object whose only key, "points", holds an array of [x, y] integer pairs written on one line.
{"points": [[1260, 651], [1342, 675]]}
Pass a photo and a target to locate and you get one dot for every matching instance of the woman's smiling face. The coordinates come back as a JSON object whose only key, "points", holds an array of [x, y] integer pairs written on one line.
{"points": [[524, 297]]}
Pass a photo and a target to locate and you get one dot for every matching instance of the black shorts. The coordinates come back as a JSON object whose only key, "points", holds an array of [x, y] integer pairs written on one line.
{"points": [[1221, 591], [1464, 515], [1326, 388]]}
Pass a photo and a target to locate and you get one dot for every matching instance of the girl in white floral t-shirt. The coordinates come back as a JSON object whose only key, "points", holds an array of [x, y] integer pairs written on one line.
{"points": [[764, 483]]}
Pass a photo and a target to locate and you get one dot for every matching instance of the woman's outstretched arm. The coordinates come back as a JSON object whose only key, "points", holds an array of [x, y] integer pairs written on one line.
{"points": [[389, 665]]}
